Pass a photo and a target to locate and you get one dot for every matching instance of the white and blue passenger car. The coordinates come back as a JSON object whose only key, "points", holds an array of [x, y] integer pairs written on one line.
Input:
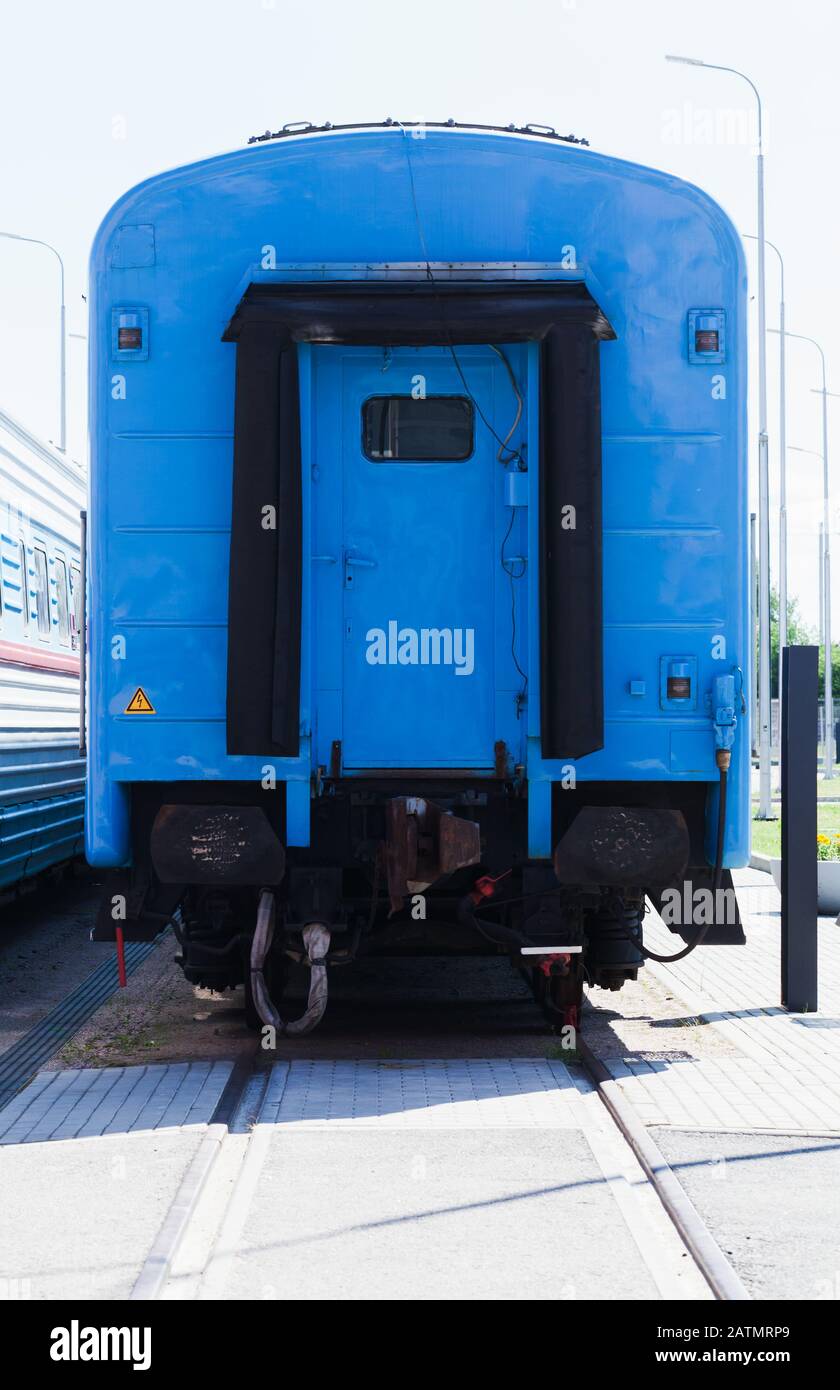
{"points": [[42, 771]]}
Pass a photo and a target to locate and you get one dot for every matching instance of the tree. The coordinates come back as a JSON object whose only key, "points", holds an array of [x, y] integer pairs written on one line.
{"points": [[799, 635], [835, 673]]}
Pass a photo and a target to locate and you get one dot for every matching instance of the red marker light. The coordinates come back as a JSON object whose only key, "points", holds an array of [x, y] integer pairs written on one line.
{"points": [[706, 340]]}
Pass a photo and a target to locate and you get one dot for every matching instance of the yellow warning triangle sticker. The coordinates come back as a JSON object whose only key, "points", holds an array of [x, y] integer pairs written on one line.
{"points": [[139, 703]]}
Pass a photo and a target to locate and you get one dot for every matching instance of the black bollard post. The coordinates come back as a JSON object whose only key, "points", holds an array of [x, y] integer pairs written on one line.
{"points": [[799, 828]]}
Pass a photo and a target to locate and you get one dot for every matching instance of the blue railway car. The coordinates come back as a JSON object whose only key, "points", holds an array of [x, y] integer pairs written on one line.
{"points": [[418, 562], [42, 772]]}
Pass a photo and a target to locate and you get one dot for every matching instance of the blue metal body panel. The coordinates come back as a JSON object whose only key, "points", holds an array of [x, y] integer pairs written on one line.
{"points": [[650, 248]]}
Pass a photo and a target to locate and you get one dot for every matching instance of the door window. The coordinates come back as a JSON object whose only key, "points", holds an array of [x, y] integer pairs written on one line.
{"points": [[42, 591], [75, 605], [430, 429], [24, 583], [62, 600]]}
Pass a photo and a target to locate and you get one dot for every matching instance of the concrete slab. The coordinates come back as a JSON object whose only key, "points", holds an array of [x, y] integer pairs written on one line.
{"points": [[507, 1213], [90, 1162], [771, 1204], [435, 1179], [79, 1215]]}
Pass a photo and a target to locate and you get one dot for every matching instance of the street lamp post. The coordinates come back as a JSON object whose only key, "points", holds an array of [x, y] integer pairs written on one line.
{"points": [[765, 806], [754, 586], [813, 453], [35, 241], [783, 527], [828, 746], [830, 750], [822, 579]]}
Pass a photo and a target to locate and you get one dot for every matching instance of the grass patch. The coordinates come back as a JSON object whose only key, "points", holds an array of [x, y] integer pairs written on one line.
{"points": [[556, 1052], [767, 834], [77, 1054]]}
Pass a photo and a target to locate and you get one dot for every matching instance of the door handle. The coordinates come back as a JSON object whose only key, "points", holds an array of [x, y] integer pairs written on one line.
{"points": [[357, 561]]}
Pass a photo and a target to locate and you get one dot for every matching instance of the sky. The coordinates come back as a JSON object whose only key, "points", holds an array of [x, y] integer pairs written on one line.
{"points": [[99, 94]]}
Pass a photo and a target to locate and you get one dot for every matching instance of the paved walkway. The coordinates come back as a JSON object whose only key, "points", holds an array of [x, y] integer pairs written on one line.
{"points": [[85, 1103], [90, 1164], [380, 1179], [406, 1179], [787, 1078]]}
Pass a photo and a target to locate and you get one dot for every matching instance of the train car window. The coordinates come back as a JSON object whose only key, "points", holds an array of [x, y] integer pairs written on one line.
{"points": [[432, 429], [75, 605], [42, 590], [24, 584], [62, 598]]}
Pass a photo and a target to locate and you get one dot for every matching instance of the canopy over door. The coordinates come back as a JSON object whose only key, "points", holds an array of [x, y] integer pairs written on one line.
{"points": [[265, 565]]}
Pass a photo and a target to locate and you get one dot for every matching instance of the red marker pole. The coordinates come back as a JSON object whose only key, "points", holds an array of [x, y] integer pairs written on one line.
{"points": [[118, 932]]}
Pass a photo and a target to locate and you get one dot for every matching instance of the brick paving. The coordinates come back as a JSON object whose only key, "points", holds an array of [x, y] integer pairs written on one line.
{"points": [[783, 1072], [86, 1102]]}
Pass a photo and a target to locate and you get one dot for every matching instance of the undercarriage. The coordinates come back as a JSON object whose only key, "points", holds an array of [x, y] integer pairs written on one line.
{"points": [[393, 874]]}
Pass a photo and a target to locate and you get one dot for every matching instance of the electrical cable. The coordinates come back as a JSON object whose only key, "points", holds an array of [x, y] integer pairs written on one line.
{"points": [[495, 932], [511, 454], [513, 575], [503, 449], [504, 455]]}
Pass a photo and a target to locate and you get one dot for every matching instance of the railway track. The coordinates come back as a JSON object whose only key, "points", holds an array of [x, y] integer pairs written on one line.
{"points": [[221, 1235], [302, 1166], [20, 1062]]}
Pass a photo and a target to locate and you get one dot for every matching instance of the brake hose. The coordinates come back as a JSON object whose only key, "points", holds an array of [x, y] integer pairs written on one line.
{"points": [[495, 932], [316, 939], [722, 758]]}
